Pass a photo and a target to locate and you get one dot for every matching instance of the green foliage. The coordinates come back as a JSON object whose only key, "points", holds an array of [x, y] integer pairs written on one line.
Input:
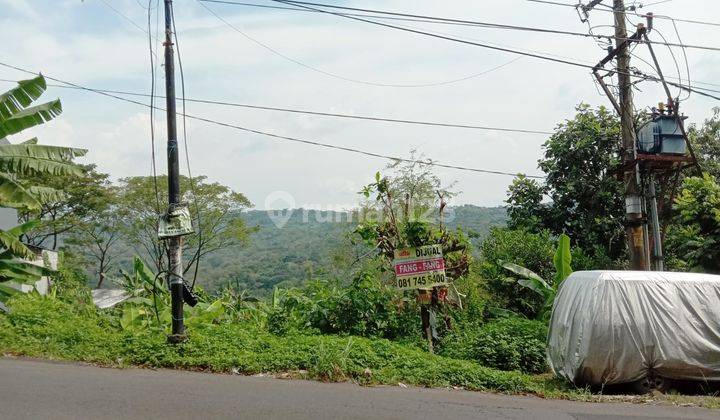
{"points": [[149, 307], [69, 282], [505, 344], [586, 200], [696, 232], [26, 160], [406, 210], [562, 260], [530, 250], [532, 281], [218, 205], [84, 196], [44, 327], [525, 207], [365, 307], [16, 114], [41, 326], [706, 142]]}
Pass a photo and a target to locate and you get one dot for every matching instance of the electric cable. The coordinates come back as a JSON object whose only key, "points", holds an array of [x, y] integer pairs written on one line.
{"points": [[684, 51], [381, 14], [193, 187], [122, 15], [575, 6], [281, 137], [152, 108], [308, 112], [677, 66], [272, 50], [448, 38], [434, 19], [348, 79]]}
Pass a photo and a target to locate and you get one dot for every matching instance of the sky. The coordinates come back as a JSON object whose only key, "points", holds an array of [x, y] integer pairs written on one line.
{"points": [[332, 64]]}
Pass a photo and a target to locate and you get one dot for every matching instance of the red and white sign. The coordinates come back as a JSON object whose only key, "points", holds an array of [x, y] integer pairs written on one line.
{"points": [[419, 268]]}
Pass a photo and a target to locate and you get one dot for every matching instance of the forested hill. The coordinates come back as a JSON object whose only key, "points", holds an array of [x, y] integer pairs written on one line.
{"points": [[311, 244]]}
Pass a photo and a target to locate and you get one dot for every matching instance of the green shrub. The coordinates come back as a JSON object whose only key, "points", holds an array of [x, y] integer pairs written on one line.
{"points": [[506, 344], [530, 250], [51, 328], [47, 327], [366, 308], [70, 281]]}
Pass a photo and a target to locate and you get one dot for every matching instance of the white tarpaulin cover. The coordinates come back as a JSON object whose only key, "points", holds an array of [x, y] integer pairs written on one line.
{"points": [[107, 298], [611, 327]]}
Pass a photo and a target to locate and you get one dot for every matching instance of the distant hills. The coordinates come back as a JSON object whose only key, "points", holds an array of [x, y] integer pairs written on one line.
{"points": [[311, 244]]}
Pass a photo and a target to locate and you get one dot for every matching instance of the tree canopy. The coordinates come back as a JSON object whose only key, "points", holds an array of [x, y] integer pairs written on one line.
{"points": [[585, 198]]}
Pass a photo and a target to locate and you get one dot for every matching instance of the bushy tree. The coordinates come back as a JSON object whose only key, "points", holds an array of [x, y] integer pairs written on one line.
{"points": [[406, 210], [695, 235], [219, 208], [97, 238], [84, 195], [706, 141], [586, 200], [525, 207]]}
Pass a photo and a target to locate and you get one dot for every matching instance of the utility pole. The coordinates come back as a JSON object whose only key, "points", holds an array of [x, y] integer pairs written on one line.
{"points": [[635, 220], [174, 242], [658, 258]]}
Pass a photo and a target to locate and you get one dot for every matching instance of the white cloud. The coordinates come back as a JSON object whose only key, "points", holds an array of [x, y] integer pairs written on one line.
{"points": [[89, 44]]}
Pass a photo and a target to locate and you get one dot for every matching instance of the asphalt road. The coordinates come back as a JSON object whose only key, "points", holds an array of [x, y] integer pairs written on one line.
{"points": [[45, 390]]}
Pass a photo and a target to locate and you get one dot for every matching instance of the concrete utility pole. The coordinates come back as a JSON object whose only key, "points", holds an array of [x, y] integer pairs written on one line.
{"points": [[175, 242], [635, 220]]}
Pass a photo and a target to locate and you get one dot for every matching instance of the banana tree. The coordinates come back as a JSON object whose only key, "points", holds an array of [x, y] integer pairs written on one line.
{"points": [[149, 305], [27, 159], [537, 284]]}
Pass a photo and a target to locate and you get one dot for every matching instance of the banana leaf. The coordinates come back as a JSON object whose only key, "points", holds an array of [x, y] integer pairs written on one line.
{"points": [[524, 272], [14, 195], [16, 99], [29, 159], [22, 272], [47, 194], [29, 117], [11, 243], [562, 259]]}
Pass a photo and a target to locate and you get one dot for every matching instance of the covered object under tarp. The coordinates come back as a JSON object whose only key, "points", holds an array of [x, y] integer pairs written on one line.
{"points": [[610, 327]]}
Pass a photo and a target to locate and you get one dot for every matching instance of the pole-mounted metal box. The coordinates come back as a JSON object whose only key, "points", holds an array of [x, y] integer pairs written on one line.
{"points": [[661, 135]]}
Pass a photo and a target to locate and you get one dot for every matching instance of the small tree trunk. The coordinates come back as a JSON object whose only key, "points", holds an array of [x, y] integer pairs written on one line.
{"points": [[427, 329], [102, 278]]}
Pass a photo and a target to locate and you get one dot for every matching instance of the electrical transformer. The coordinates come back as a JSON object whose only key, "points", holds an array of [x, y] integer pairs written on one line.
{"points": [[661, 135]]}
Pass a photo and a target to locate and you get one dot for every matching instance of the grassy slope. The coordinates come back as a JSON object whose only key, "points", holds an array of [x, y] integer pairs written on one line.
{"points": [[47, 328]]}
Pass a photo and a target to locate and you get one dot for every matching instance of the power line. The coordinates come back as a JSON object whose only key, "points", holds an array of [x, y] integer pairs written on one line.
{"points": [[575, 6], [274, 51], [318, 113], [193, 188], [125, 17], [555, 3], [128, 19], [656, 3], [152, 105], [355, 80], [637, 74], [281, 137], [381, 14], [340, 77]]}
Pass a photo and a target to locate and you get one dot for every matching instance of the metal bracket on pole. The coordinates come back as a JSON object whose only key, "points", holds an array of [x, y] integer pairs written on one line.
{"points": [[583, 9], [611, 54], [633, 38], [607, 91]]}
